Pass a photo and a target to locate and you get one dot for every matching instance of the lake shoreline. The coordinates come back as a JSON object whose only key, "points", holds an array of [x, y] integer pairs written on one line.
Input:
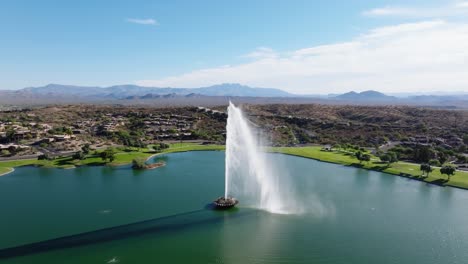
{"points": [[410, 171], [406, 170]]}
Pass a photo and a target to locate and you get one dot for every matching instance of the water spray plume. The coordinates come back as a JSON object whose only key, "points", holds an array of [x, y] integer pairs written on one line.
{"points": [[250, 175]]}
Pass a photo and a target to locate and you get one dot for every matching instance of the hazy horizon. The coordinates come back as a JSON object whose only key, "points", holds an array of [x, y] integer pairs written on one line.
{"points": [[320, 93]]}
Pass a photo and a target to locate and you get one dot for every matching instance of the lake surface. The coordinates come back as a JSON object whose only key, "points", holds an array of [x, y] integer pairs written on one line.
{"points": [[352, 216]]}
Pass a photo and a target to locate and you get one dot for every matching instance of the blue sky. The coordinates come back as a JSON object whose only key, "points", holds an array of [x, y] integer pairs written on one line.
{"points": [[299, 46]]}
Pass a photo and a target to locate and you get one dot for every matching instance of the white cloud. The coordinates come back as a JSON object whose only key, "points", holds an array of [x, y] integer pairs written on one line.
{"points": [[462, 4], [407, 28], [390, 11], [146, 21], [425, 56], [449, 10], [261, 52]]}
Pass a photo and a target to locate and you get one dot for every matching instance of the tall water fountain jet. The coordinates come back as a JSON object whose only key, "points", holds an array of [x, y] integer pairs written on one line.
{"points": [[251, 175]]}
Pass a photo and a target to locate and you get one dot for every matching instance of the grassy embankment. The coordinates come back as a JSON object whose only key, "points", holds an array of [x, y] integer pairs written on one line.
{"points": [[410, 170], [5, 170], [121, 158]]}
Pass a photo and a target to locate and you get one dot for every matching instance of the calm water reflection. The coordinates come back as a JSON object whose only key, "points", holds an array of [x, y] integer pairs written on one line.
{"points": [[352, 216]]}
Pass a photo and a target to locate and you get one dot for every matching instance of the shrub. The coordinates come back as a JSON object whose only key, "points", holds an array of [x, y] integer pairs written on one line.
{"points": [[138, 163], [79, 155], [45, 156]]}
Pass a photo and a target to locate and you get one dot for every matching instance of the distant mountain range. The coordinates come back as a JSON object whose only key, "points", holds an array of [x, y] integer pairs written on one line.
{"points": [[134, 91], [216, 94]]}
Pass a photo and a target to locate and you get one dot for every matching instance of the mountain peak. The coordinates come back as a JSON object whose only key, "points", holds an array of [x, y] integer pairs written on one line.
{"points": [[365, 95]]}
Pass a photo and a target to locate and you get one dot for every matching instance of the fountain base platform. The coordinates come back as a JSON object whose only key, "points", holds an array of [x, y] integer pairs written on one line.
{"points": [[225, 202]]}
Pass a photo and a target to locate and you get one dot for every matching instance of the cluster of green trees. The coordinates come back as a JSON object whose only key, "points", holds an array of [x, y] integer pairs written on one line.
{"points": [[362, 156], [349, 147], [449, 170], [139, 163], [108, 155], [45, 156], [389, 157], [160, 147], [427, 154], [81, 155]]}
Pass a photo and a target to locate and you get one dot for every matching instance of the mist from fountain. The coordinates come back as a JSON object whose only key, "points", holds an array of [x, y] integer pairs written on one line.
{"points": [[252, 176]]}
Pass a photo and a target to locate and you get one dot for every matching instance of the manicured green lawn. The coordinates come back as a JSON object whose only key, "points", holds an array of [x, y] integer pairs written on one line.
{"points": [[182, 147], [4, 170], [460, 179]]}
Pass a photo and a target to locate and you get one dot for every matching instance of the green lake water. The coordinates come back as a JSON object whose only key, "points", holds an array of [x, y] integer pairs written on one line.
{"points": [[352, 216]]}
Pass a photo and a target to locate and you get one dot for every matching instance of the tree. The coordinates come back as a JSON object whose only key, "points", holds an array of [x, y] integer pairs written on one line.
{"points": [[108, 155], [138, 163], [365, 157], [389, 158], [86, 148], [45, 156], [157, 148], [358, 156], [79, 155], [423, 154], [425, 168], [164, 145], [362, 156], [449, 170]]}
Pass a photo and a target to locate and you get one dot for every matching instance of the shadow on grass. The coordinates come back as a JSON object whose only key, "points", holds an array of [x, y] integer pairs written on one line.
{"points": [[440, 182], [357, 165], [67, 161], [96, 163], [379, 168], [380, 162]]}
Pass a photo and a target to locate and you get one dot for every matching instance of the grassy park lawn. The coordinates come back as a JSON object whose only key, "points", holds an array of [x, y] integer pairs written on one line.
{"points": [[411, 170], [121, 157], [5, 170], [182, 147]]}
